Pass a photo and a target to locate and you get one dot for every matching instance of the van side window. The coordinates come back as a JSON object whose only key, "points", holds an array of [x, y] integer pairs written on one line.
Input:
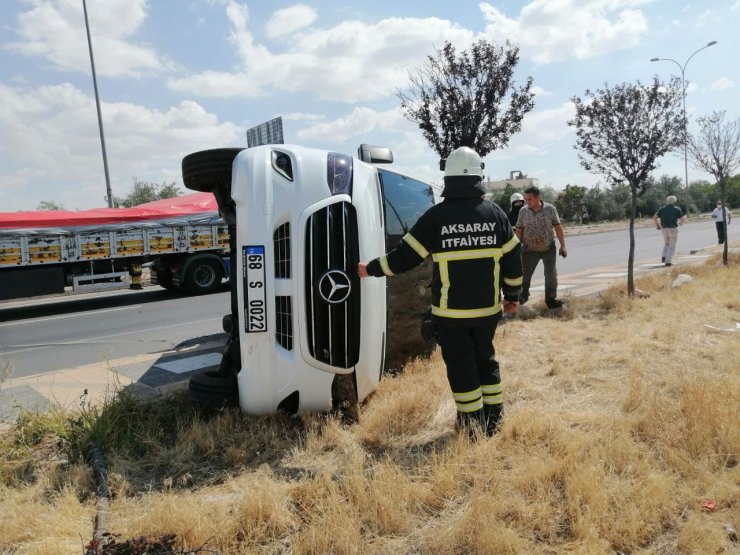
{"points": [[405, 200]]}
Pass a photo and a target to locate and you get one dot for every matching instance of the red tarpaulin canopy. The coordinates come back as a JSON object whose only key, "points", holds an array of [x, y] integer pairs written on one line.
{"points": [[184, 205]]}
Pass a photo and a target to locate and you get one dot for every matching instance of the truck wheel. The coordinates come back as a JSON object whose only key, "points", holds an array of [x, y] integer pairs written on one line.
{"points": [[211, 390], [203, 276], [165, 280], [206, 170]]}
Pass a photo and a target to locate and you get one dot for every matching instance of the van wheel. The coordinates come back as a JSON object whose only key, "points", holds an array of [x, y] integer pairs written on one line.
{"points": [[212, 390], [203, 276], [208, 169]]}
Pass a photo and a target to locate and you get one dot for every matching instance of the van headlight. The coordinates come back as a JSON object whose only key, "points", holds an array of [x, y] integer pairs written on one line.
{"points": [[339, 173]]}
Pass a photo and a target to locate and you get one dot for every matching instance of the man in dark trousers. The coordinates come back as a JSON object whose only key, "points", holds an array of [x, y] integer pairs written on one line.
{"points": [[475, 254], [537, 226]]}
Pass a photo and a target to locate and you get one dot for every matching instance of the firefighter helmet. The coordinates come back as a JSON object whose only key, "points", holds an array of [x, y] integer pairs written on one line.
{"points": [[463, 161], [516, 197]]}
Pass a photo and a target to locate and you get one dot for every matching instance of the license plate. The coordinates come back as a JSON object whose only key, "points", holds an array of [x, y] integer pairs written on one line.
{"points": [[253, 273]]}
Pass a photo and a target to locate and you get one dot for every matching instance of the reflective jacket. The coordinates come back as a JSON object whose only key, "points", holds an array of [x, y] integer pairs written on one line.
{"points": [[475, 255]]}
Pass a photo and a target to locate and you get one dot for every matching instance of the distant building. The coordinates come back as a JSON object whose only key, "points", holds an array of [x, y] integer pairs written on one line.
{"points": [[517, 180]]}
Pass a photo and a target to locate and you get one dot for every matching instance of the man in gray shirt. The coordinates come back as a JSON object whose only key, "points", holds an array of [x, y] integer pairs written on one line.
{"points": [[536, 227]]}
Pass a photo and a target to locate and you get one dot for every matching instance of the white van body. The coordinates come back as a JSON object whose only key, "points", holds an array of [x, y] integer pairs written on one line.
{"points": [[303, 312]]}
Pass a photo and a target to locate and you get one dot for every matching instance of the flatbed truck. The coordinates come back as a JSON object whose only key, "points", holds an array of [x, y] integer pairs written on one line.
{"points": [[184, 240]]}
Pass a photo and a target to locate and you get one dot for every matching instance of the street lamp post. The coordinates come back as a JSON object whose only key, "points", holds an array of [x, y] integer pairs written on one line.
{"points": [[97, 105], [686, 121]]}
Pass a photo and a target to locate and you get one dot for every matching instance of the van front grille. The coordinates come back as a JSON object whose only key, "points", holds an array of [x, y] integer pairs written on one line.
{"points": [[284, 322], [281, 244], [332, 285]]}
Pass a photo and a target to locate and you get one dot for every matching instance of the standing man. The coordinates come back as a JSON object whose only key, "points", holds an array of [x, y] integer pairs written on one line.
{"points": [[475, 255], [670, 216], [720, 221], [536, 227]]}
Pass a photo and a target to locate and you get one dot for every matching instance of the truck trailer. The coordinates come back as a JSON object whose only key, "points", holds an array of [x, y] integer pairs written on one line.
{"points": [[184, 238]]}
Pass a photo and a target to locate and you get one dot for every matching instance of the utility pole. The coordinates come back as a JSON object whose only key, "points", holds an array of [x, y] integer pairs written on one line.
{"points": [[685, 117], [109, 193]]}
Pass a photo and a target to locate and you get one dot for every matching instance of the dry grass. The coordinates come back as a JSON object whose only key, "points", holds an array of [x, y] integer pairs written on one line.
{"points": [[621, 419]]}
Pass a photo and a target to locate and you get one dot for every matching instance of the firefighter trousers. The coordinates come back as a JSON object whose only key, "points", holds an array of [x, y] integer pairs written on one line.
{"points": [[473, 373]]}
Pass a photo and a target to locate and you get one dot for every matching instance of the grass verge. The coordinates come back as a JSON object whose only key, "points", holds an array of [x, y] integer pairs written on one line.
{"points": [[621, 435]]}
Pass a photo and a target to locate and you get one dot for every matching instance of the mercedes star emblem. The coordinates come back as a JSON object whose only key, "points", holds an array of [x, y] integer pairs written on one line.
{"points": [[334, 286]]}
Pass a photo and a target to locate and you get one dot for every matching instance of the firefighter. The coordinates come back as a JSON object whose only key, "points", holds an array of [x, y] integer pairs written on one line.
{"points": [[475, 255], [517, 201]]}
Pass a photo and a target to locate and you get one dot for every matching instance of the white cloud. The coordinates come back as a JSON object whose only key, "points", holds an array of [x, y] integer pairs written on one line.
{"points": [[55, 30], [540, 132], [539, 91], [549, 31], [736, 6], [289, 20], [353, 61], [721, 84], [52, 146], [303, 116], [361, 121]]}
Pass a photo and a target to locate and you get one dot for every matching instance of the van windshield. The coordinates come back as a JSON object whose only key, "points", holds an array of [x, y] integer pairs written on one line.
{"points": [[405, 200]]}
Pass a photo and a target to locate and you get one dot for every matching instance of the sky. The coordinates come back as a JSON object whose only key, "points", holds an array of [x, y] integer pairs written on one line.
{"points": [[178, 76]]}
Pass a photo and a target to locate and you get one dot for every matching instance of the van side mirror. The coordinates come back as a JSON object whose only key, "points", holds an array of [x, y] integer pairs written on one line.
{"points": [[375, 154]]}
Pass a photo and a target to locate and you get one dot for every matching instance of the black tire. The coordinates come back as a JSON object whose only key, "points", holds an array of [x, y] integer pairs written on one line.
{"points": [[209, 169], [164, 275], [211, 390], [203, 276], [227, 323], [165, 280]]}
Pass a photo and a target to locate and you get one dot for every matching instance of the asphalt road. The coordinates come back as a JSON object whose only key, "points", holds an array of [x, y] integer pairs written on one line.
{"points": [[594, 250], [64, 332]]}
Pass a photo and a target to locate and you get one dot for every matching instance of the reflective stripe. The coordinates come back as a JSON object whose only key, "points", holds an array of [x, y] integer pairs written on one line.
{"points": [[513, 281], [492, 394], [442, 258], [384, 266], [411, 241], [467, 255], [444, 277], [466, 313], [470, 407], [510, 244], [468, 395]]}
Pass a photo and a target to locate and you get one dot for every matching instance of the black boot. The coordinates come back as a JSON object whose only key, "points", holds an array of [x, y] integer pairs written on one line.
{"points": [[470, 423], [493, 415]]}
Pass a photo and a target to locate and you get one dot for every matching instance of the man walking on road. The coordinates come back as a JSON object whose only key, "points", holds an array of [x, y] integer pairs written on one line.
{"points": [[667, 219], [720, 221], [536, 227], [475, 255]]}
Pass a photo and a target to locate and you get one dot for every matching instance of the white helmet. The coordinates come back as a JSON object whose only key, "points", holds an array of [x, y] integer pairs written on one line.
{"points": [[515, 197], [463, 161]]}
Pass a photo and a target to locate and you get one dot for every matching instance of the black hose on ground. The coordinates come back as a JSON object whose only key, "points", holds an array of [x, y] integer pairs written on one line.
{"points": [[96, 459]]}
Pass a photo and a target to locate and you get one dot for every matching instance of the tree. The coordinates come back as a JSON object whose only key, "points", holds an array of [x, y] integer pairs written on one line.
{"points": [[602, 206], [715, 149], [460, 100], [49, 205], [571, 203], [622, 131], [144, 192], [657, 190]]}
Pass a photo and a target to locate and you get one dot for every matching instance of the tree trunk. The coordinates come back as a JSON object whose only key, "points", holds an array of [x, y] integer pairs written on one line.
{"points": [[631, 258], [722, 190]]}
